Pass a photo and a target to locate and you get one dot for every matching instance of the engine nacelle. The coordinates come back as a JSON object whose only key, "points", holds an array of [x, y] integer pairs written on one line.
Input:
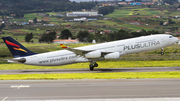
{"points": [[115, 55], [93, 54]]}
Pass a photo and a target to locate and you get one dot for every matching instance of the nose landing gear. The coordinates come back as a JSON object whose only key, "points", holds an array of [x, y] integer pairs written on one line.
{"points": [[162, 51]]}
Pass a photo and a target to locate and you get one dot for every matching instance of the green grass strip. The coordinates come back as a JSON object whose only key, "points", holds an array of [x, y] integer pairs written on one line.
{"points": [[118, 75], [102, 64]]}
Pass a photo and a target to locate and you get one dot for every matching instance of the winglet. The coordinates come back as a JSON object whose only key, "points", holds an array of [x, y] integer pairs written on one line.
{"points": [[63, 46]]}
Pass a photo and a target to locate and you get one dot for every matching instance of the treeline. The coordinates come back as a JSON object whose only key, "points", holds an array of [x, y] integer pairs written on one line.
{"points": [[170, 1], [20, 7], [85, 36], [106, 10]]}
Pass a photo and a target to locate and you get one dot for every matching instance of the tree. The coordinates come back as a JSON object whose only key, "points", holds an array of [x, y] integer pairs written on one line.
{"points": [[52, 36], [90, 37], [153, 32], [122, 34], [178, 6], [48, 37], [161, 23], [65, 34], [28, 37], [97, 36], [144, 33], [106, 10], [149, 6], [18, 13], [35, 20], [110, 37], [83, 36], [171, 2], [170, 21], [2, 26]]}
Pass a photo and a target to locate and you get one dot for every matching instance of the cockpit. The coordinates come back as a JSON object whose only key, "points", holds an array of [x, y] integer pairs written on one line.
{"points": [[171, 36]]}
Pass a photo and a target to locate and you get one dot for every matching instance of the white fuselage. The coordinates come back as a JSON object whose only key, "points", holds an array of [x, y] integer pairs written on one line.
{"points": [[124, 47]]}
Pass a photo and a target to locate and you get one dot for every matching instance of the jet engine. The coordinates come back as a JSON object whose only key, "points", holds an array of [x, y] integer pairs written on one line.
{"points": [[93, 54], [115, 55]]}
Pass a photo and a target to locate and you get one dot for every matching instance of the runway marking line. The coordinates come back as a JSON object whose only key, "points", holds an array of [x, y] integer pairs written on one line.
{"points": [[4, 98], [21, 86]]}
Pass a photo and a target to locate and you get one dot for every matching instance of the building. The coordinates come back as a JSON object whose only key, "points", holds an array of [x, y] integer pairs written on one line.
{"points": [[122, 3], [24, 23], [84, 19], [80, 19], [134, 3], [82, 14], [65, 41]]}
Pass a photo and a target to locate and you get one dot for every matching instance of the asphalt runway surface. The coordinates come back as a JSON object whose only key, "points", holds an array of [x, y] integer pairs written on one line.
{"points": [[96, 70], [91, 90], [102, 90]]}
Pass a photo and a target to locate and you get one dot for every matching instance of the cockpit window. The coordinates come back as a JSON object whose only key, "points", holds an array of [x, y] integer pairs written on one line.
{"points": [[170, 36]]}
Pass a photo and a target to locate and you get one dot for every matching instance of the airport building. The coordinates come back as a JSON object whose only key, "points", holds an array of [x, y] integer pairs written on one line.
{"points": [[82, 14], [84, 19], [65, 41]]}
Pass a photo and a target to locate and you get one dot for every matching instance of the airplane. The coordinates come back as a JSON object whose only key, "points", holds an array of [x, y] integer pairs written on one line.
{"points": [[91, 53]]}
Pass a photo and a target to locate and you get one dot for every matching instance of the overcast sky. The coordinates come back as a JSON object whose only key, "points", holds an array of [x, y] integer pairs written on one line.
{"points": [[89, 0]]}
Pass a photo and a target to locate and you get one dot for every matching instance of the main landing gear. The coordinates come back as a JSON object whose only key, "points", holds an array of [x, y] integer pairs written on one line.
{"points": [[91, 66], [162, 51]]}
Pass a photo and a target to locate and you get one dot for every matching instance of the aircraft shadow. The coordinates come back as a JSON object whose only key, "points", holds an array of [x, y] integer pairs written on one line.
{"points": [[98, 70]]}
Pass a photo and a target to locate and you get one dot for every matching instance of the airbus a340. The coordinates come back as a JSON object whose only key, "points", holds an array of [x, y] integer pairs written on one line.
{"points": [[91, 53]]}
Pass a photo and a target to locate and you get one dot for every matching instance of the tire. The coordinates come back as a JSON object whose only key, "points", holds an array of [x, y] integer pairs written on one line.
{"points": [[91, 67], [95, 65], [162, 53]]}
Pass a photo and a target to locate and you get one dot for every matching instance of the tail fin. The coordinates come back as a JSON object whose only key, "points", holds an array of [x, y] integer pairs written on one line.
{"points": [[16, 48]]}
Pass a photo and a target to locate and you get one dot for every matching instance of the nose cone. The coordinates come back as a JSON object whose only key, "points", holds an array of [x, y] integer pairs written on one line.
{"points": [[176, 39]]}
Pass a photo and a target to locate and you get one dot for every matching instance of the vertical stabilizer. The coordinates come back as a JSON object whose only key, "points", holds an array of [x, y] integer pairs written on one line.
{"points": [[16, 48]]}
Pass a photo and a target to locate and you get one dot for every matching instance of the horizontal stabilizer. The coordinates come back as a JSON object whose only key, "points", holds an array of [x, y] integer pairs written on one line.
{"points": [[19, 60]]}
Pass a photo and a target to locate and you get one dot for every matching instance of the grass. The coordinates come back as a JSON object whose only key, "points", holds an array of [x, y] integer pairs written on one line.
{"points": [[119, 75], [102, 64], [52, 13], [118, 13], [155, 12], [30, 15], [24, 31]]}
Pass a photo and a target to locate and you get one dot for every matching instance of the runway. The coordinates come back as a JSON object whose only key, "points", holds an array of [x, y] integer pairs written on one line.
{"points": [[91, 90], [96, 70], [114, 90]]}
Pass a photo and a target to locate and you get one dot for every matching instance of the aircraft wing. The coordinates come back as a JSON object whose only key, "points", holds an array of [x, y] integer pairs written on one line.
{"points": [[81, 52], [76, 51]]}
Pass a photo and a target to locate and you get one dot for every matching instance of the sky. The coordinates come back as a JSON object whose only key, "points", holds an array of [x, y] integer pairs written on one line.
{"points": [[89, 0]]}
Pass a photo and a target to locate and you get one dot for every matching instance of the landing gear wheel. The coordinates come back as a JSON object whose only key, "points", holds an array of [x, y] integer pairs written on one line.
{"points": [[95, 65], [91, 67], [162, 53]]}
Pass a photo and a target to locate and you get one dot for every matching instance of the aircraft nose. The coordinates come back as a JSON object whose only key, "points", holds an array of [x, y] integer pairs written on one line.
{"points": [[176, 39]]}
